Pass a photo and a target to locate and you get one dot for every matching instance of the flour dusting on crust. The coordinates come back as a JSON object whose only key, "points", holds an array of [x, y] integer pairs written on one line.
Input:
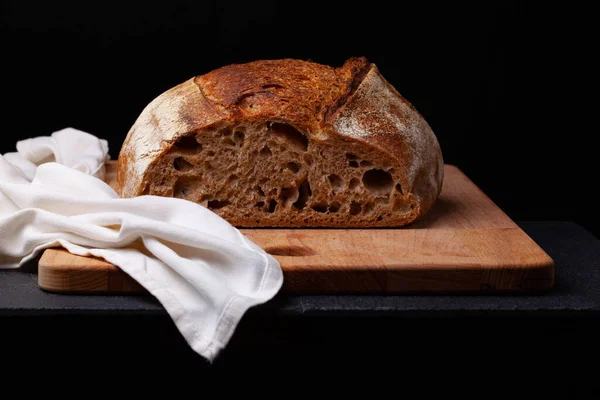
{"points": [[378, 111]]}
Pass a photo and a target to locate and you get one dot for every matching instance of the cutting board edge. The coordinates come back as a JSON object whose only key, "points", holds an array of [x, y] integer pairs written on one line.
{"points": [[104, 277], [59, 278]]}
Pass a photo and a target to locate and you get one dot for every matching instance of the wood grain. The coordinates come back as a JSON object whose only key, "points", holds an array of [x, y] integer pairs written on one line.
{"points": [[465, 243]]}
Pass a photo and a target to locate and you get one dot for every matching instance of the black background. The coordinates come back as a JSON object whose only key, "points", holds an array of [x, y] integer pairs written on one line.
{"points": [[493, 80], [503, 85]]}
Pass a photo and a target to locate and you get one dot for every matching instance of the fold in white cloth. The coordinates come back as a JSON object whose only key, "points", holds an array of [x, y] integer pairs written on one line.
{"points": [[203, 270]]}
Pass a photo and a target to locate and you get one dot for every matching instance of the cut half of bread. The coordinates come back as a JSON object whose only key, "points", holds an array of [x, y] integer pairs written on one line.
{"points": [[287, 143]]}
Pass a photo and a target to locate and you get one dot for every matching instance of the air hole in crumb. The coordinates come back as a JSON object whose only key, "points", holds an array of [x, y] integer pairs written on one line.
{"points": [[233, 179], [355, 208], [350, 156], [369, 208], [379, 218], [260, 204], [399, 188], [208, 166], [217, 204], [229, 142], [260, 191], [239, 137], [304, 194], [226, 131], [365, 163], [188, 143], [287, 194], [266, 151], [354, 183], [334, 207], [308, 159], [183, 187], [353, 164], [377, 181], [272, 205], [292, 166], [289, 134], [182, 165], [336, 182], [320, 208], [210, 153]]}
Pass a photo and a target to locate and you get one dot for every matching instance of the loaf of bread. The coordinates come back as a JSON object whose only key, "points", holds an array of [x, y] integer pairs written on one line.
{"points": [[287, 143]]}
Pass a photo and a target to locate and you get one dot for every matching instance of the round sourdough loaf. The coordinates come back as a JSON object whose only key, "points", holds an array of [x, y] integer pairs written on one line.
{"points": [[287, 143]]}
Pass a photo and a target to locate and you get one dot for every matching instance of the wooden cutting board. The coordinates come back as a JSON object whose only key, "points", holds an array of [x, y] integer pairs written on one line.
{"points": [[464, 243]]}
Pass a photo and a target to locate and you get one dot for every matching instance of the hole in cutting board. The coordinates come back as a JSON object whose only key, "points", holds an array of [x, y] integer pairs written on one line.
{"points": [[290, 251]]}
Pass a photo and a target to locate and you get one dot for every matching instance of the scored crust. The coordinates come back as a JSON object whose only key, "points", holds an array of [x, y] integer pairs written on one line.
{"points": [[344, 148]]}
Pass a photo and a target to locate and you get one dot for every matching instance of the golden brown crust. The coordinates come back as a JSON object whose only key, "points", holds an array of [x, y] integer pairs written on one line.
{"points": [[293, 90], [353, 103]]}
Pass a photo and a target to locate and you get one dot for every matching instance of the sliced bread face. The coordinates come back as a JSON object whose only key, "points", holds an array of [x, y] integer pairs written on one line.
{"points": [[287, 143]]}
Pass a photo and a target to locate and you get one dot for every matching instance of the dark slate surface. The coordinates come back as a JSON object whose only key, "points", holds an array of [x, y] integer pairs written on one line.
{"points": [[575, 251]]}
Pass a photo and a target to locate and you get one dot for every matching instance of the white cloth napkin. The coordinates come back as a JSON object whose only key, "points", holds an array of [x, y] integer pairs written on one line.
{"points": [[203, 270]]}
